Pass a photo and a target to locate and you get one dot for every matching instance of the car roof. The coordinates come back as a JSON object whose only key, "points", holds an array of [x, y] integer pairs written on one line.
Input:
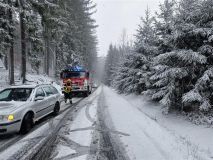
{"points": [[22, 86], [29, 86]]}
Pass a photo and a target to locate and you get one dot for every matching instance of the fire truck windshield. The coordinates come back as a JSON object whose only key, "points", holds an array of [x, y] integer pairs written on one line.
{"points": [[74, 75]]}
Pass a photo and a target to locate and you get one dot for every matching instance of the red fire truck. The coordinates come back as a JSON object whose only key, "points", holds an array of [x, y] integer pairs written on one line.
{"points": [[81, 81]]}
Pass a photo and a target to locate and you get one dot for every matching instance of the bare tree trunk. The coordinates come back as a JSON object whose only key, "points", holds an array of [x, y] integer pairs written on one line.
{"points": [[11, 65], [55, 61], [48, 55], [6, 61], [47, 50], [23, 42], [11, 50]]}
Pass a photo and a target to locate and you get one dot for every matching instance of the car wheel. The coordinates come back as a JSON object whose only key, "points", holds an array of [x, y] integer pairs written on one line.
{"points": [[56, 109], [27, 123]]}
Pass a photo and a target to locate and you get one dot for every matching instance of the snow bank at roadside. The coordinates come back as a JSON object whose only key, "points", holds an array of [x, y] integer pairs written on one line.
{"points": [[199, 136], [148, 139]]}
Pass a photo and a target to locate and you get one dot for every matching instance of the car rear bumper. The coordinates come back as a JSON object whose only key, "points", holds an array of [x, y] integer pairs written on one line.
{"points": [[10, 127]]}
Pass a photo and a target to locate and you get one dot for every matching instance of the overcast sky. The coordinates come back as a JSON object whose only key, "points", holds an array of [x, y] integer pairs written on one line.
{"points": [[113, 16]]}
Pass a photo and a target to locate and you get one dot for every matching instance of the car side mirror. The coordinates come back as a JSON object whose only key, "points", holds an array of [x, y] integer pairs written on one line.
{"points": [[39, 98]]}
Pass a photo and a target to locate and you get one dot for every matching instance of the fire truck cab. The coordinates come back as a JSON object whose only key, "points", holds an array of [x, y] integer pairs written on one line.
{"points": [[81, 82]]}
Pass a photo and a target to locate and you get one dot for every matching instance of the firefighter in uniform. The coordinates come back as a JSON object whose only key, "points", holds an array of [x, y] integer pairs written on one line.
{"points": [[67, 91]]}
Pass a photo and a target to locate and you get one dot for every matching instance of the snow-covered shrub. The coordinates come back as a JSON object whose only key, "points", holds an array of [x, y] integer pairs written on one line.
{"points": [[200, 118]]}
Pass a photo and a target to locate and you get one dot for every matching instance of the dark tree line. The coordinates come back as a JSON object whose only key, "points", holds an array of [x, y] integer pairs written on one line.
{"points": [[51, 34]]}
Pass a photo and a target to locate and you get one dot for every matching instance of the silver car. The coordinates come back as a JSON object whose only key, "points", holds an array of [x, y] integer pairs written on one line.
{"points": [[22, 106]]}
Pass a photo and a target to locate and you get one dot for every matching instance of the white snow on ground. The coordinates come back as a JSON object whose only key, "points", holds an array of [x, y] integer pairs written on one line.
{"points": [[199, 136], [148, 140], [152, 135], [82, 138], [31, 79], [84, 157], [80, 130], [64, 151]]}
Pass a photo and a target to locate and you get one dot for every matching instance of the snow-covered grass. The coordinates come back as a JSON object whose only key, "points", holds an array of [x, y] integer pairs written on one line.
{"points": [[200, 118], [196, 137], [153, 135]]}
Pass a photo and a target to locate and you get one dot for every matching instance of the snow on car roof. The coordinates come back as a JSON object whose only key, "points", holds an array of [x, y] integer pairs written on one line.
{"points": [[23, 86], [27, 86]]}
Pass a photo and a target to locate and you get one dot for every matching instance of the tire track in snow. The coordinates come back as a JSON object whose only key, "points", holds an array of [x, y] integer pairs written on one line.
{"points": [[157, 146], [106, 137], [87, 113], [80, 150], [92, 149]]}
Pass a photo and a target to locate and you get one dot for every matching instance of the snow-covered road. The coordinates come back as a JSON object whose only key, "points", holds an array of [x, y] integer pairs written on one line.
{"points": [[148, 140], [104, 126], [108, 127], [74, 139]]}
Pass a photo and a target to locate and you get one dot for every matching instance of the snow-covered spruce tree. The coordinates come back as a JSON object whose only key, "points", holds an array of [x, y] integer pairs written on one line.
{"points": [[35, 40], [145, 46], [111, 64], [78, 41], [86, 33], [63, 31], [164, 26], [175, 75], [202, 40], [49, 12], [121, 75], [132, 75], [115, 58], [178, 70], [7, 36], [23, 11], [4, 25], [33, 19]]}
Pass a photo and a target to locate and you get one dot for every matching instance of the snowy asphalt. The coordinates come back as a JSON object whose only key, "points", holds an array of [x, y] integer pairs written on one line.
{"points": [[108, 127], [103, 126], [101, 141]]}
